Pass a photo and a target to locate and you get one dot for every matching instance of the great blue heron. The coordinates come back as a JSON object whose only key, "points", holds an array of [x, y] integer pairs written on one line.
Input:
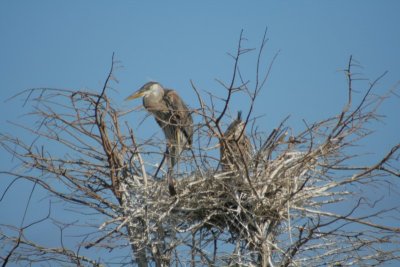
{"points": [[174, 118], [235, 146]]}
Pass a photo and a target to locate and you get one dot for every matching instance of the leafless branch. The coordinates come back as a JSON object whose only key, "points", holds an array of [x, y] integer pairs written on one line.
{"points": [[281, 207]]}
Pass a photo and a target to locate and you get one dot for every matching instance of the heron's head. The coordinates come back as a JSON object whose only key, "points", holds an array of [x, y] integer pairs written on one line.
{"points": [[238, 131], [235, 130], [150, 88]]}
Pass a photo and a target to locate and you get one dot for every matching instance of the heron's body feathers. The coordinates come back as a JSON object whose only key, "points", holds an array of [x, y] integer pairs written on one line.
{"points": [[235, 148], [174, 118]]}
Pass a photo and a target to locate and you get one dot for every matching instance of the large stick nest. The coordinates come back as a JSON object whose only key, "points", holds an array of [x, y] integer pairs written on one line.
{"points": [[239, 200]]}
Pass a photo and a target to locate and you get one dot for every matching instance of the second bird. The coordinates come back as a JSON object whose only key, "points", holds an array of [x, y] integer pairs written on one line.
{"points": [[235, 146]]}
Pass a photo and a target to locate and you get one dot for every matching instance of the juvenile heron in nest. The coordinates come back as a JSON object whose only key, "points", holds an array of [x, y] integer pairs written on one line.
{"points": [[174, 118], [235, 146]]}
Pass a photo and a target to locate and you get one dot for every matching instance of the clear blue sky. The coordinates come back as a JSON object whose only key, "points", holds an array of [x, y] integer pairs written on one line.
{"points": [[68, 44]]}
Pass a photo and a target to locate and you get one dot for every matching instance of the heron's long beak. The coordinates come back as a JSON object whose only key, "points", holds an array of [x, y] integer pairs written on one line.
{"points": [[135, 95]]}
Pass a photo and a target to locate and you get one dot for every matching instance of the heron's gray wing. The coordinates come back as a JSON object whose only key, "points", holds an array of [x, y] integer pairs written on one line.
{"points": [[181, 116]]}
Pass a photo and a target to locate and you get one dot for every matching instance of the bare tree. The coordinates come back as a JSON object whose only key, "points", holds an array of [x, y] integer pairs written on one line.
{"points": [[299, 201]]}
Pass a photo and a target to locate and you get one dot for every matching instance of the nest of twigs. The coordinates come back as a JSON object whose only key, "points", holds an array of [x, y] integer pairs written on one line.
{"points": [[238, 200]]}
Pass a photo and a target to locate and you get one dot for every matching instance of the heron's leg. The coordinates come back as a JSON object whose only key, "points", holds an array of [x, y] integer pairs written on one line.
{"points": [[171, 184], [166, 153], [177, 150], [172, 157], [170, 173]]}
